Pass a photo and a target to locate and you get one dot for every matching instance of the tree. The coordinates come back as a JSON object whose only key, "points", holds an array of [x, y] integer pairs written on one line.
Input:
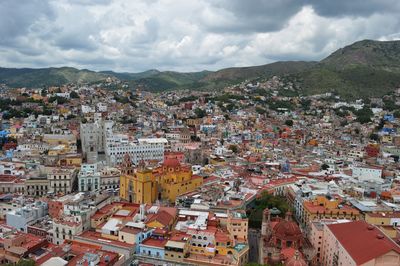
{"points": [[234, 148], [269, 201], [260, 110], [289, 123], [374, 136], [364, 115], [200, 113], [43, 92], [324, 166], [74, 95], [22, 262]]}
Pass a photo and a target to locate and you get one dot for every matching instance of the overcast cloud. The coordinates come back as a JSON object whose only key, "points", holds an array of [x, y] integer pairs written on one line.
{"points": [[185, 35]]}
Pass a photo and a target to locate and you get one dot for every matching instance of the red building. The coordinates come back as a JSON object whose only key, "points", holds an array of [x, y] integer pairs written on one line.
{"points": [[55, 208], [180, 156], [372, 150]]}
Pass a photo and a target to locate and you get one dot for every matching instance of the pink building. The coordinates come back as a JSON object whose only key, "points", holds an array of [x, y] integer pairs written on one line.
{"points": [[316, 236], [357, 243]]}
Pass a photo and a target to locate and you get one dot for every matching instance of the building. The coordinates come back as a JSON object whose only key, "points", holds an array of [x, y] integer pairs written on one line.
{"points": [[383, 218], [174, 179], [93, 138], [316, 235], [109, 178], [30, 213], [137, 187], [37, 186], [280, 238], [358, 243], [67, 140], [326, 207], [237, 225], [118, 145], [18, 245], [65, 228], [77, 253], [62, 180], [367, 173], [88, 178], [11, 184]]}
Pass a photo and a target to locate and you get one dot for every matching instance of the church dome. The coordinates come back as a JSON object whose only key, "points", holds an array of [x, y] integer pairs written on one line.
{"points": [[287, 229]]}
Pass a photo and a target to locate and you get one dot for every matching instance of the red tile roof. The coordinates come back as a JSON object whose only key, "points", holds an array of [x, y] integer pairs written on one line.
{"points": [[162, 217], [157, 243], [363, 242]]}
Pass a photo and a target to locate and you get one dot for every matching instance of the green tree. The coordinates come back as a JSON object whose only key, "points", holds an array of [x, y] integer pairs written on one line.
{"points": [[289, 123], [266, 200], [324, 166], [234, 148], [74, 95], [200, 113], [260, 110], [364, 115], [22, 262], [43, 92], [374, 136]]}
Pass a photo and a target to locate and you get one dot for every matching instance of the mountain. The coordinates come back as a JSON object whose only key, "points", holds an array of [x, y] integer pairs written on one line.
{"points": [[29, 77], [172, 80], [361, 69], [364, 68], [132, 76]]}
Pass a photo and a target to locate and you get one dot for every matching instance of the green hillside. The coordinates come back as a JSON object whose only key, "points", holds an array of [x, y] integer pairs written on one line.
{"points": [[361, 69], [28, 77]]}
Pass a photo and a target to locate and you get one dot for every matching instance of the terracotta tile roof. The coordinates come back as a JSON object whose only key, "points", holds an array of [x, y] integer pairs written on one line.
{"points": [[158, 243], [384, 215], [361, 241], [162, 217]]}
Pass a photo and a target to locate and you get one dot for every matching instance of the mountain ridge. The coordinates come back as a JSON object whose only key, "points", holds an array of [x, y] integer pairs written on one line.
{"points": [[360, 68]]}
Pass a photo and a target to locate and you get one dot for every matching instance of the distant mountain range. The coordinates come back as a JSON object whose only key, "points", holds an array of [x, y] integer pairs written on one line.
{"points": [[363, 68]]}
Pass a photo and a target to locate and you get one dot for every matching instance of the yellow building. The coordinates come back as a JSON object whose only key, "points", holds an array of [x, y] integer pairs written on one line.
{"points": [[327, 208], [237, 225], [383, 218], [139, 187], [70, 160], [175, 179]]}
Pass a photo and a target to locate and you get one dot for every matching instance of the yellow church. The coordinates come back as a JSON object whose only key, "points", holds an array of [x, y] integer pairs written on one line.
{"points": [[166, 182], [175, 179], [137, 187]]}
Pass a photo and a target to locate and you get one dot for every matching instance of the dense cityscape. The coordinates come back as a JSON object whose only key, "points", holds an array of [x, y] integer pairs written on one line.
{"points": [[177, 133], [112, 177]]}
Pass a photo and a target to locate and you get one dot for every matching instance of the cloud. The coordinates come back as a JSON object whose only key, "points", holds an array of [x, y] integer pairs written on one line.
{"points": [[185, 35]]}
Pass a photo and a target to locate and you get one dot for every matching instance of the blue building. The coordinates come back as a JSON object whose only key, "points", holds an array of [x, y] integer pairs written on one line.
{"points": [[153, 247]]}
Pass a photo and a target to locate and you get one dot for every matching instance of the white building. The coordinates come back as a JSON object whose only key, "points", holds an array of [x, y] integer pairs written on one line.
{"points": [[87, 109], [66, 228], [101, 107], [88, 178], [61, 180], [143, 149], [367, 173], [28, 214]]}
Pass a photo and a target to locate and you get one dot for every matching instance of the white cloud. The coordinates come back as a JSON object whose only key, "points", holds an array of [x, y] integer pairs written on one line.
{"points": [[182, 35]]}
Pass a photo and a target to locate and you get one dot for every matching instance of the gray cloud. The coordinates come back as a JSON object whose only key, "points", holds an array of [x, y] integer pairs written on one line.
{"points": [[185, 35]]}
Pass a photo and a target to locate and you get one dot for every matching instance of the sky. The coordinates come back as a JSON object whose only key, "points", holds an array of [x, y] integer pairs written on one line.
{"points": [[185, 35]]}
